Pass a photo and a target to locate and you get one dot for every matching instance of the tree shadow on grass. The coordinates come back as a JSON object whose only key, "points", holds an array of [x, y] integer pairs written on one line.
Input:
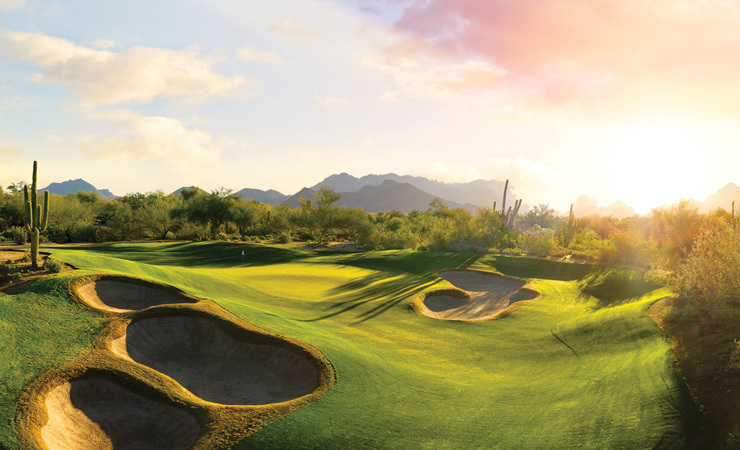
{"points": [[200, 254], [612, 287], [415, 262], [371, 296]]}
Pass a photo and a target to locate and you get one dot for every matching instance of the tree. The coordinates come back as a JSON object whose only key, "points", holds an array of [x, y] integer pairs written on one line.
{"points": [[320, 217], [69, 214], [213, 210], [675, 230], [159, 216], [710, 275]]}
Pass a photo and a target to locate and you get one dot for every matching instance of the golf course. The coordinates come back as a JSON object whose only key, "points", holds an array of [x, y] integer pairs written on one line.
{"points": [[567, 370]]}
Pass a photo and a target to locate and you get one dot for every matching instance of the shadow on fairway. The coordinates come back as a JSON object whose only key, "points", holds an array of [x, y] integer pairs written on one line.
{"points": [[612, 287], [371, 296], [200, 254]]}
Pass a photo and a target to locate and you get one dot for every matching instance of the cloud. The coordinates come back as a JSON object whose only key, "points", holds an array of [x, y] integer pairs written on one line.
{"points": [[10, 152], [594, 56], [138, 74], [330, 101], [11, 5], [15, 102], [288, 29], [150, 138], [414, 79], [259, 57]]}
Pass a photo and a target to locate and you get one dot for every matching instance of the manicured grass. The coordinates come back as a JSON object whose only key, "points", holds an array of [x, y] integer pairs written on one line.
{"points": [[566, 371]]}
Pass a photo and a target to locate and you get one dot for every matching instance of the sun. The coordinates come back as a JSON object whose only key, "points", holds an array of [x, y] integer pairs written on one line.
{"points": [[654, 165]]}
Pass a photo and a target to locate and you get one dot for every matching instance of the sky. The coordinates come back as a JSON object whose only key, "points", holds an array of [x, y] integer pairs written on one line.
{"points": [[613, 99]]}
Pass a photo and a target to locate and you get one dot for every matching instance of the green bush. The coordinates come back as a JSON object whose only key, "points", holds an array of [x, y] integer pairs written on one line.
{"points": [[18, 235], [53, 266], [710, 275]]}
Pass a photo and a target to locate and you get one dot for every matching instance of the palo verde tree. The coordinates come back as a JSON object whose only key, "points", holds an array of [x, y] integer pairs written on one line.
{"points": [[34, 220]]}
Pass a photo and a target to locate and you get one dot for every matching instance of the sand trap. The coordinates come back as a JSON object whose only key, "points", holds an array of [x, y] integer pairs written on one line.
{"points": [[97, 413], [217, 366], [121, 296], [488, 295]]}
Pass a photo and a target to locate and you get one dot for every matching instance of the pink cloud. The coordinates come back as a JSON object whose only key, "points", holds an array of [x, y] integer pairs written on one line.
{"points": [[599, 55]]}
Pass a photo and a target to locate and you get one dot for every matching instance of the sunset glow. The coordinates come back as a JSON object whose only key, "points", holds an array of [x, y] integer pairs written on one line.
{"points": [[632, 101], [654, 165]]}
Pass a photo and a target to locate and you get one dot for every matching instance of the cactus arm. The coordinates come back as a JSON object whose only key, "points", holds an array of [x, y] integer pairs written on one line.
{"points": [[28, 216], [503, 204], [45, 218]]}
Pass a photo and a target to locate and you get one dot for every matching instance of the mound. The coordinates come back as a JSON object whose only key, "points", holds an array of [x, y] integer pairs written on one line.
{"points": [[215, 365], [97, 413], [117, 295], [488, 295]]}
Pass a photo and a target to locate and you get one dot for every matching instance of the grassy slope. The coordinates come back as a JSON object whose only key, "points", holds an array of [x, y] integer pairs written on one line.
{"points": [[40, 328], [410, 381]]}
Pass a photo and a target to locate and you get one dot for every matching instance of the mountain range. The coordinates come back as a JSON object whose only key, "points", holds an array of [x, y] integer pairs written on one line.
{"points": [[380, 193], [74, 186]]}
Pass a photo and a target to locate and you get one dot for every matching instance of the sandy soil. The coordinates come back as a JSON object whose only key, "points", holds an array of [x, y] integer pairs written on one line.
{"points": [[9, 255], [214, 365], [488, 295], [123, 296], [97, 413]]}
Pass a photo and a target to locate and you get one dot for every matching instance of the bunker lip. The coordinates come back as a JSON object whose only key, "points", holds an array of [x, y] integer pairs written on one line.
{"points": [[218, 361], [488, 295], [123, 294], [99, 412]]}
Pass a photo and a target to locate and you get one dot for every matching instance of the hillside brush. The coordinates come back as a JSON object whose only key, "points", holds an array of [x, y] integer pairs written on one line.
{"points": [[35, 217]]}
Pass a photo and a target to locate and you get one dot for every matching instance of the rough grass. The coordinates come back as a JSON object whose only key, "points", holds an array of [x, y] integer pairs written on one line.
{"points": [[40, 328], [566, 371]]}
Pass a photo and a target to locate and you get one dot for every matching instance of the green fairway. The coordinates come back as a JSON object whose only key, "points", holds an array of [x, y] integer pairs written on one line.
{"points": [[568, 370]]}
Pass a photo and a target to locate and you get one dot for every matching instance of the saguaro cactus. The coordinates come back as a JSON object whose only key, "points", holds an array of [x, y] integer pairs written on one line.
{"points": [[33, 219], [570, 228], [511, 213]]}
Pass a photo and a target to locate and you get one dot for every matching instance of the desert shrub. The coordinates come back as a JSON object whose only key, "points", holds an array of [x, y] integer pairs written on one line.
{"points": [[15, 276], [53, 266], [588, 245], [18, 235], [710, 275], [283, 237], [539, 241], [733, 439], [91, 233], [170, 236], [512, 252], [192, 232], [222, 237]]}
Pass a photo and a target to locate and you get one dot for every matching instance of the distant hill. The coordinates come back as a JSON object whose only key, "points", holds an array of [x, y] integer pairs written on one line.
{"points": [[478, 192], [388, 196], [270, 197], [587, 206], [723, 198], [74, 186], [293, 200], [179, 191]]}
